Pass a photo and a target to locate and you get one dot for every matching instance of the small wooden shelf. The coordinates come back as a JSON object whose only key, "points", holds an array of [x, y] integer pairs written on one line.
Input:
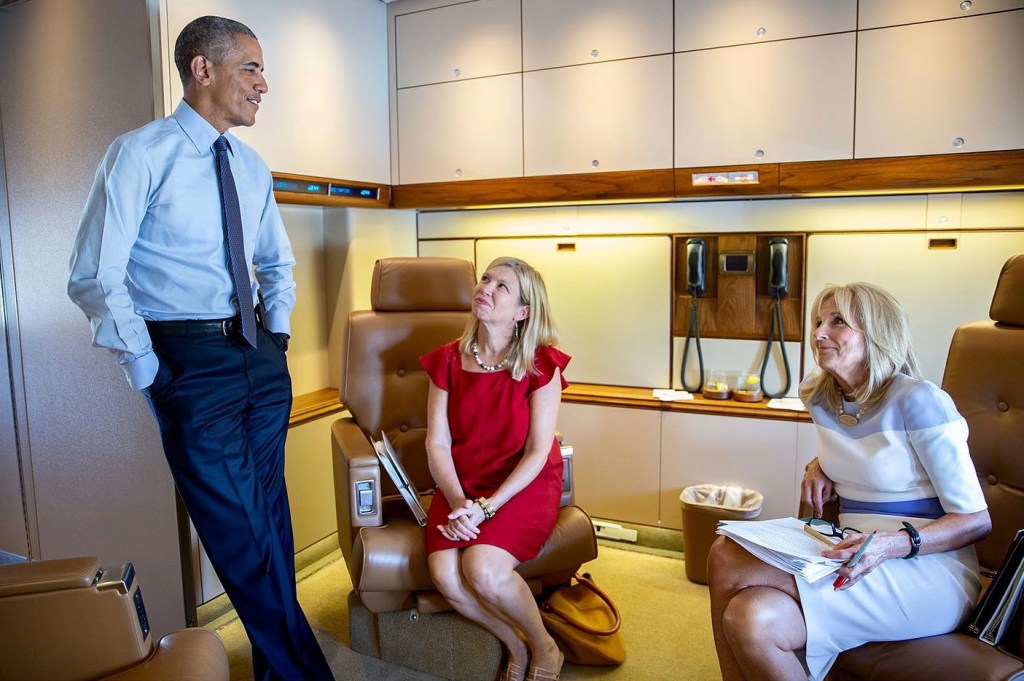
{"points": [[642, 398], [311, 406]]}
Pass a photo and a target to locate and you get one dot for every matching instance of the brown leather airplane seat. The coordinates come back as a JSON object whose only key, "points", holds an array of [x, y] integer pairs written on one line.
{"points": [[418, 305], [70, 619], [985, 376]]}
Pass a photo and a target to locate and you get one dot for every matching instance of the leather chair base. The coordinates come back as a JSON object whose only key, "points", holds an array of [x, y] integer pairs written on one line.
{"points": [[444, 644], [951, 656]]}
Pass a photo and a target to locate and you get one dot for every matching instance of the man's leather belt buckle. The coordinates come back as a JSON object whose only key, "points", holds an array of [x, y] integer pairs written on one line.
{"points": [[226, 327]]}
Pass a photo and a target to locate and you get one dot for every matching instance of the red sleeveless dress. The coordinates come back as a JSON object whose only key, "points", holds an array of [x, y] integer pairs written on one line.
{"points": [[489, 418]]}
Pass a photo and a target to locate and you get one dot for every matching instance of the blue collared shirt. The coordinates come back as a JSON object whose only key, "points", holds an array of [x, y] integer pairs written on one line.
{"points": [[151, 241]]}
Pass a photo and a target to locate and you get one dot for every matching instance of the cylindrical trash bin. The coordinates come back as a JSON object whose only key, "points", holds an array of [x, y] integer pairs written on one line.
{"points": [[703, 506]]}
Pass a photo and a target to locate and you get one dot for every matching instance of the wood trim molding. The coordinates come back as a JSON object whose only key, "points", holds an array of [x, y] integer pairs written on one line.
{"points": [[642, 398], [904, 174], [614, 186], [383, 199], [944, 172], [311, 406]]}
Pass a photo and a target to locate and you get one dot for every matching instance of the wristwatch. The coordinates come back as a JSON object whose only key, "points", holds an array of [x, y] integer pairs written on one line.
{"points": [[915, 539], [283, 337]]}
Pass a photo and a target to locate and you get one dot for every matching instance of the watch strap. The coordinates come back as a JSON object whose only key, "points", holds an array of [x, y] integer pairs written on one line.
{"points": [[915, 540]]}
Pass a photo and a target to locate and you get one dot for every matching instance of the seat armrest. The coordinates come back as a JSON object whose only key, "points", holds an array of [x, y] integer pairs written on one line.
{"points": [[40, 576], [357, 480], [185, 655]]}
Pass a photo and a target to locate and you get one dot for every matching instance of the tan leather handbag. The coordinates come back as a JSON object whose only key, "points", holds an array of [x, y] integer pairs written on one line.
{"points": [[585, 623]]}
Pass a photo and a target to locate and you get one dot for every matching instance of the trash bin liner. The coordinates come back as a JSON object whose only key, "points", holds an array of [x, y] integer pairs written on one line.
{"points": [[703, 506]]}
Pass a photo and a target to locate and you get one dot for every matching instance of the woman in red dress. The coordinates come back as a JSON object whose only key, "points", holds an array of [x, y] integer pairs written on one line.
{"points": [[491, 413]]}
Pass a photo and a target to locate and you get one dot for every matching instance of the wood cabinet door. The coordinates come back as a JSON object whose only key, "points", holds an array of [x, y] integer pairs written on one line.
{"points": [[880, 13], [461, 131], [783, 101], [584, 31], [466, 40], [598, 117], [719, 23], [941, 87]]}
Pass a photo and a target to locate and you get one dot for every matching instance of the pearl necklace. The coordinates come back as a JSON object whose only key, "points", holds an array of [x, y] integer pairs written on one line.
{"points": [[487, 367], [849, 419]]}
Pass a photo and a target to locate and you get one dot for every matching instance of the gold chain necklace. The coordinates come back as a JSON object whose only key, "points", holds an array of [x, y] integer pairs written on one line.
{"points": [[487, 367]]}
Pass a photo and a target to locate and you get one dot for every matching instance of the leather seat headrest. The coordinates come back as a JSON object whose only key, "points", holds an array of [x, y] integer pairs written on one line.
{"points": [[410, 284], [1008, 300]]}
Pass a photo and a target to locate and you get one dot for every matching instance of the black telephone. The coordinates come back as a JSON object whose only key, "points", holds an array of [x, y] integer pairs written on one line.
{"points": [[696, 258], [778, 267]]}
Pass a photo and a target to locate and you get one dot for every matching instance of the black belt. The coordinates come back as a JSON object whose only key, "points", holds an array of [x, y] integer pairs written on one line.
{"points": [[196, 327]]}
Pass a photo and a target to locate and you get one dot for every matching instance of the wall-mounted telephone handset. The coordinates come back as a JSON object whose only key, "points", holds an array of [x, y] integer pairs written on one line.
{"points": [[696, 268], [696, 261], [778, 287], [778, 267]]}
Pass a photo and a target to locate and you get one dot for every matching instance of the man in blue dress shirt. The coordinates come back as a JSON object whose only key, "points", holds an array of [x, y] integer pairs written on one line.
{"points": [[174, 205]]}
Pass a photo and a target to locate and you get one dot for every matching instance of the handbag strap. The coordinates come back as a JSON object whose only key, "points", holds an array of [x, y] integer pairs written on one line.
{"points": [[589, 584]]}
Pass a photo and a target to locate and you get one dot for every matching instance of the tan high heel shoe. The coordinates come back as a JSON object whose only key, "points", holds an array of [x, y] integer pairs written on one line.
{"points": [[513, 672], [541, 674]]}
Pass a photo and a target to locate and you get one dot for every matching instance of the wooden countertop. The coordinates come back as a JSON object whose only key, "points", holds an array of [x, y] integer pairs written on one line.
{"points": [[643, 398]]}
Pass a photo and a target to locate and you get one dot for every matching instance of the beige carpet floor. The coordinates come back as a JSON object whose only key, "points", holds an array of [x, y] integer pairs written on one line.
{"points": [[665, 617]]}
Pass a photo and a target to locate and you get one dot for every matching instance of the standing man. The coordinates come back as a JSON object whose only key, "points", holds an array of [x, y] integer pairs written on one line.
{"points": [[179, 213]]}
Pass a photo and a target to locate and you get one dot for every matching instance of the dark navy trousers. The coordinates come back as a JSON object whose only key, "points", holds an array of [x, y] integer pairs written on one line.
{"points": [[223, 407]]}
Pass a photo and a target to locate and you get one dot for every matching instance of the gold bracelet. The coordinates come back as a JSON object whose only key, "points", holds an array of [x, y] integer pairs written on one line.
{"points": [[486, 507]]}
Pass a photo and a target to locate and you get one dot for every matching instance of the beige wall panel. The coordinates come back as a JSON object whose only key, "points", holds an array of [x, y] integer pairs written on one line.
{"points": [[700, 25], [609, 299], [309, 474], [616, 460], [876, 13], [918, 87], [307, 350], [806, 449], [327, 68], [463, 248], [940, 289], [585, 31], [725, 450], [354, 239], [993, 210], [99, 480], [763, 215]]}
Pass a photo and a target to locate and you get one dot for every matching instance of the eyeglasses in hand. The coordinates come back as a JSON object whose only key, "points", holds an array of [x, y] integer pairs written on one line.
{"points": [[827, 528]]}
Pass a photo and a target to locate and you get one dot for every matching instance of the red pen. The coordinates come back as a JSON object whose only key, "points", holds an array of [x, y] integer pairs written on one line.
{"points": [[841, 580]]}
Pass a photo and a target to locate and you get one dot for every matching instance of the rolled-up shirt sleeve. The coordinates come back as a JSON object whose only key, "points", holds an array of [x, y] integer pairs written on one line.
{"points": [[108, 230]]}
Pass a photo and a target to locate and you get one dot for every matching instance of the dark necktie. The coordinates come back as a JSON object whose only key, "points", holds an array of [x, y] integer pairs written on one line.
{"points": [[236, 249]]}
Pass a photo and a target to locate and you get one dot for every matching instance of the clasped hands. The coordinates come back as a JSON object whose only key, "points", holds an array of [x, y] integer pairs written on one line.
{"points": [[463, 522]]}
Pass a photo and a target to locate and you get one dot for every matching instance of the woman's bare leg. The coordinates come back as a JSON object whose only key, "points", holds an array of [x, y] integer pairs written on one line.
{"points": [[745, 650], [491, 573], [446, 570]]}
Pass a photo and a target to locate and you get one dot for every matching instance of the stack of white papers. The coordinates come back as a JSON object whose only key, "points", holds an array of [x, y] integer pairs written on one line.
{"points": [[670, 395], [791, 403], [783, 543]]}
